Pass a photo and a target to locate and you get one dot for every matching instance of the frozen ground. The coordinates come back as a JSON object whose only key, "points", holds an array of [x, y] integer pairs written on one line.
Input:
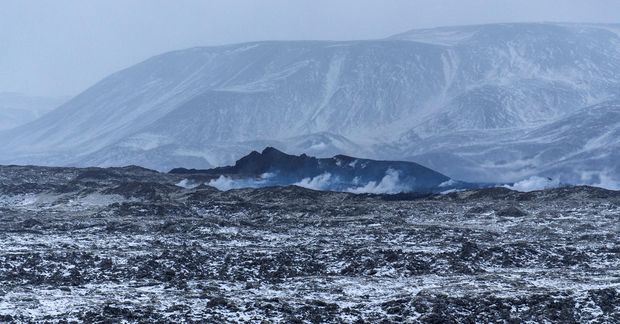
{"points": [[113, 245]]}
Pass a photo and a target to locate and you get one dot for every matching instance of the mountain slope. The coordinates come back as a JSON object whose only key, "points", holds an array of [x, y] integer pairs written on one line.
{"points": [[17, 109], [456, 99], [581, 147]]}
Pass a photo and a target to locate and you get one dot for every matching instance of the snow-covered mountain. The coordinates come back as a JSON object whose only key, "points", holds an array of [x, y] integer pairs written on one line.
{"points": [[18, 109], [582, 147], [480, 103]]}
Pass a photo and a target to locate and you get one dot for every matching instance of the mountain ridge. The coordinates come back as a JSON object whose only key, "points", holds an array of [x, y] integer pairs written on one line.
{"points": [[272, 167]]}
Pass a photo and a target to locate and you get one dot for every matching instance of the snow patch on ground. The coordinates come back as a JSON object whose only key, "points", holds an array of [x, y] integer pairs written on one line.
{"points": [[448, 183], [318, 146]]}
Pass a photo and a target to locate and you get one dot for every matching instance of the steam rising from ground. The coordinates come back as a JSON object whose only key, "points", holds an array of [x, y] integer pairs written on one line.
{"points": [[389, 184], [601, 179], [534, 183], [595, 179], [225, 183], [321, 182]]}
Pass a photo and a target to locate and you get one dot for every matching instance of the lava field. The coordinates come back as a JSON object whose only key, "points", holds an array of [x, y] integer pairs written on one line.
{"points": [[130, 245]]}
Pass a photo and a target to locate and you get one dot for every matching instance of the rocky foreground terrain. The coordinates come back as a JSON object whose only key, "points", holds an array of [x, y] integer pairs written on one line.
{"points": [[128, 244]]}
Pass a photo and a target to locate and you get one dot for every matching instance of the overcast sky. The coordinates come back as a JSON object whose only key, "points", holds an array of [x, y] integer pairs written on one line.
{"points": [[61, 47]]}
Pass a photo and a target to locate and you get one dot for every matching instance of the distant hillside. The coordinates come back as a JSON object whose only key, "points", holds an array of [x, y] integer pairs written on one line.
{"points": [[17, 109]]}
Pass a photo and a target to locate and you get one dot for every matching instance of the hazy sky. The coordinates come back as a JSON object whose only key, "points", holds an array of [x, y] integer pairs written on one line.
{"points": [[61, 47]]}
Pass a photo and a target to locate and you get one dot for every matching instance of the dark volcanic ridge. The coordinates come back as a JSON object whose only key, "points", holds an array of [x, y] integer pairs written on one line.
{"points": [[128, 244], [272, 167]]}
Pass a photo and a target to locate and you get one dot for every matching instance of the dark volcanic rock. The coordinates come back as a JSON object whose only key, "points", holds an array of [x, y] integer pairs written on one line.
{"points": [[344, 171], [511, 211], [127, 245], [146, 190]]}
